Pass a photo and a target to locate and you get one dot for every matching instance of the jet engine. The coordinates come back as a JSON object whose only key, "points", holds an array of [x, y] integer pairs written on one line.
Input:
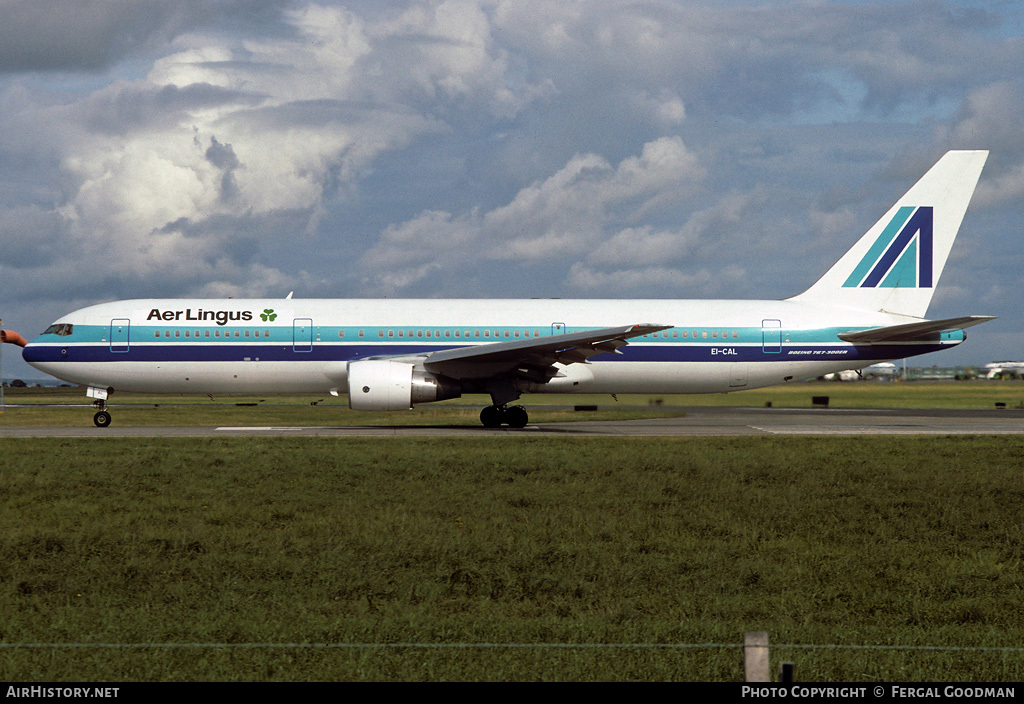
{"points": [[385, 385]]}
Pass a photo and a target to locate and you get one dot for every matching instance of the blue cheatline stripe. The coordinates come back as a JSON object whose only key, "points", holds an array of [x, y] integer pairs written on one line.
{"points": [[346, 352], [879, 246]]}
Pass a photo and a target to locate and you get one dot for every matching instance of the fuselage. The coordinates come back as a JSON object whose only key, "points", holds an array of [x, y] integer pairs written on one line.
{"points": [[305, 345]]}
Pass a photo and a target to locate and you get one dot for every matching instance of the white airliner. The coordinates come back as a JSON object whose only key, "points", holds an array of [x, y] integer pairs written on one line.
{"points": [[997, 369], [389, 355], [881, 370]]}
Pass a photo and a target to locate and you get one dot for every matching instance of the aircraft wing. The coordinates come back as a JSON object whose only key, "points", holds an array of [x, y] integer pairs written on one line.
{"points": [[913, 331], [533, 358]]}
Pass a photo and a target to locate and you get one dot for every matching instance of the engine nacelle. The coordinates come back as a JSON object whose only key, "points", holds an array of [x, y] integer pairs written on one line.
{"points": [[385, 385]]}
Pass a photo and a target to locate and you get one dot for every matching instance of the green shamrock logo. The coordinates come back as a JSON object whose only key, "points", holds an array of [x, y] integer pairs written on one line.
{"points": [[268, 314]]}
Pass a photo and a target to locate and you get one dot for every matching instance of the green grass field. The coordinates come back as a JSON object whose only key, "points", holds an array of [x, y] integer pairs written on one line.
{"points": [[847, 541]]}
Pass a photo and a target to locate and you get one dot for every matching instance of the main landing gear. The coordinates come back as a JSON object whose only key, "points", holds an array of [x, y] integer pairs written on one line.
{"points": [[497, 416]]}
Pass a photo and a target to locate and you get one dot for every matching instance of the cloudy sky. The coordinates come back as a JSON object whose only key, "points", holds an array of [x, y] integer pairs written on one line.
{"points": [[484, 148]]}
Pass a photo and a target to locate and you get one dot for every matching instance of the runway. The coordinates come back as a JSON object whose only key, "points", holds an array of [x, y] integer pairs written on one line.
{"points": [[698, 421]]}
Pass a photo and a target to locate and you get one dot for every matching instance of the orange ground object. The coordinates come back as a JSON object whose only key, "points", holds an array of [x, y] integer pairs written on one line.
{"points": [[13, 338]]}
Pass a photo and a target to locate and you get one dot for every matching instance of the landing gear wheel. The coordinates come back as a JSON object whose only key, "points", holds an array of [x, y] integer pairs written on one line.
{"points": [[497, 416], [101, 419], [491, 417], [516, 417]]}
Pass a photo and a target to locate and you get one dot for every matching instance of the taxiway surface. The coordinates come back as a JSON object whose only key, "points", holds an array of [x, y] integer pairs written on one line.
{"points": [[698, 421]]}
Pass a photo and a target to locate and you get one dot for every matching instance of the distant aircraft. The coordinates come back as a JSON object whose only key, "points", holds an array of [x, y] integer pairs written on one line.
{"points": [[997, 369], [882, 370], [392, 354]]}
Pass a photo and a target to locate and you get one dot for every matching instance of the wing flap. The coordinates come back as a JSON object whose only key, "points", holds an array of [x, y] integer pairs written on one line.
{"points": [[912, 332]]}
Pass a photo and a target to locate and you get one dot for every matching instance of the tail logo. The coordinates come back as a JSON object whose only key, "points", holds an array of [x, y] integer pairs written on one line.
{"points": [[901, 257]]}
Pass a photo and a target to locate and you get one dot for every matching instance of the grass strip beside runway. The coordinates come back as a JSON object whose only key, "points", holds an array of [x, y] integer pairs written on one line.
{"points": [[886, 541]]}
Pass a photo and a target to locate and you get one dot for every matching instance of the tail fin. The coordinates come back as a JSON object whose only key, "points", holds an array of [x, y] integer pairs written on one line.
{"points": [[896, 265]]}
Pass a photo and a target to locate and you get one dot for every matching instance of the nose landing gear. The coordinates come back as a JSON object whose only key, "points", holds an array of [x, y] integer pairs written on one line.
{"points": [[102, 417], [497, 416], [99, 396]]}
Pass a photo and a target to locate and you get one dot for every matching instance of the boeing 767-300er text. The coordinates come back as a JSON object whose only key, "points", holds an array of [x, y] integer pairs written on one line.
{"points": [[389, 355]]}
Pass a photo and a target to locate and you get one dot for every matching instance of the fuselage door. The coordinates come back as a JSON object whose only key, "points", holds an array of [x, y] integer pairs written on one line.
{"points": [[557, 328], [119, 334], [771, 336], [302, 334]]}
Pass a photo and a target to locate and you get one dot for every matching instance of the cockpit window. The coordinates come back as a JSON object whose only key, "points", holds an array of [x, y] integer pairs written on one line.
{"points": [[63, 329]]}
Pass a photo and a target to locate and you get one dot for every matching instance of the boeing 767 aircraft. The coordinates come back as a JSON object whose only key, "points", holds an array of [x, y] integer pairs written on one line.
{"points": [[389, 355]]}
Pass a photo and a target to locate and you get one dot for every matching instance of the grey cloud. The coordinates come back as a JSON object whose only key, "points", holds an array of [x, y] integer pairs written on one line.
{"points": [[91, 35], [125, 108], [32, 237], [222, 156]]}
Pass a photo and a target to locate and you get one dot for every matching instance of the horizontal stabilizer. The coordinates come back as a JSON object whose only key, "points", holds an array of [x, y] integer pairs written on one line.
{"points": [[912, 332]]}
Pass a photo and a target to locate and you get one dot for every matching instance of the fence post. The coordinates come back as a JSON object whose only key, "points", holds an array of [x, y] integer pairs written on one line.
{"points": [[755, 657], [786, 673]]}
